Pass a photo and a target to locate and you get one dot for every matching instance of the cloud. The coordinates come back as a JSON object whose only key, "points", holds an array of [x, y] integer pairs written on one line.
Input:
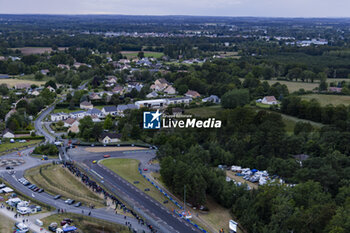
{"points": [[274, 8]]}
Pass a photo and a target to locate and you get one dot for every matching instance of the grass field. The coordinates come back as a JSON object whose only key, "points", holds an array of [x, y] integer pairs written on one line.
{"points": [[9, 146], [133, 54], [204, 112], [12, 82], [128, 169], [6, 224], [36, 50], [295, 86], [55, 179], [328, 99], [86, 224], [66, 110]]}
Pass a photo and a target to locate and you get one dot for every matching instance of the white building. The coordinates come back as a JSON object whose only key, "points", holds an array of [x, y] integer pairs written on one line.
{"points": [[270, 100]]}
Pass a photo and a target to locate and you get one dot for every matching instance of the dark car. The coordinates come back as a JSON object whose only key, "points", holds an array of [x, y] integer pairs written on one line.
{"points": [[36, 189], [71, 202], [57, 197], [30, 186], [40, 190], [78, 204], [9, 168], [33, 187], [147, 190], [27, 183]]}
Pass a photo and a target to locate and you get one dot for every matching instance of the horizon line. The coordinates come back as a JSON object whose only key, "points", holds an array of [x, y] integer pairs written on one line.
{"points": [[177, 15]]}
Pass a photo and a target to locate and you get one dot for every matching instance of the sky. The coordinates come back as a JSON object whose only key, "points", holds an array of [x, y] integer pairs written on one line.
{"points": [[265, 8]]}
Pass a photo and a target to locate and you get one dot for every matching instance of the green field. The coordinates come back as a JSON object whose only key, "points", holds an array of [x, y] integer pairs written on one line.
{"points": [[132, 54], [55, 179], [66, 110], [204, 112], [86, 224], [5, 146], [328, 99], [128, 169]]}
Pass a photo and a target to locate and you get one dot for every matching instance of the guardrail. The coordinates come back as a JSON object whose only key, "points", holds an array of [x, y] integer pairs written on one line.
{"points": [[174, 201]]}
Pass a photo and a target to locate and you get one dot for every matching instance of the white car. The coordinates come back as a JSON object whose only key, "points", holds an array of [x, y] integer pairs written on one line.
{"points": [[22, 228]]}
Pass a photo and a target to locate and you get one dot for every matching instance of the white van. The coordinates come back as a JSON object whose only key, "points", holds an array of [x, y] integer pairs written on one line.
{"points": [[38, 222], [22, 228]]}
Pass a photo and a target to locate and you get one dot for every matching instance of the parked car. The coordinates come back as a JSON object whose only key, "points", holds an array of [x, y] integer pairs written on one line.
{"points": [[145, 169], [9, 168], [67, 201], [78, 204], [40, 190], [106, 156], [36, 189], [57, 197], [70, 202]]}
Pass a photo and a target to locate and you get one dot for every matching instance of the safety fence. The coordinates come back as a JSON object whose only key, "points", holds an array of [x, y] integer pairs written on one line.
{"points": [[174, 201]]}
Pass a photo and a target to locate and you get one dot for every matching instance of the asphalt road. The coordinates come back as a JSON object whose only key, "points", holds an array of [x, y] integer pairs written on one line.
{"points": [[167, 221], [102, 213]]}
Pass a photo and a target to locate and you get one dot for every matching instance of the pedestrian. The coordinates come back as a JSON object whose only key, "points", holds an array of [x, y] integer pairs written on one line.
{"points": [[82, 211]]}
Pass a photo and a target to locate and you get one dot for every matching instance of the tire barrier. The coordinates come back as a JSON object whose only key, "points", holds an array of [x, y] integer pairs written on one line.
{"points": [[190, 222], [160, 190], [98, 189]]}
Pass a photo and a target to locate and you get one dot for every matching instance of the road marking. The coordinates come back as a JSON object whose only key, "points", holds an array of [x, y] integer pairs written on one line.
{"points": [[97, 174]]}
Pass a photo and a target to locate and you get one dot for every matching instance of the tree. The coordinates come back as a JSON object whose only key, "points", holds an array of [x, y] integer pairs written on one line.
{"points": [[141, 54], [108, 123], [38, 76], [235, 98]]}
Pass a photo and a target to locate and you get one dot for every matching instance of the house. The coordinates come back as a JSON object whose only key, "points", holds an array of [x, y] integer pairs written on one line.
{"points": [[156, 103], [63, 66], [77, 114], [74, 128], [94, 112], [70, 122], [45, 71], [153, 94], [8, 134], [270, 100], [109, 110], [160, 84], [111, 79], [51, 88], [335, 89], [59, 116], [95, 119], [170, 90], [110, 137], [22, 86], [94, 96], [35, 93], [86, 105], [179, 100], [123, 107], [212, 98], [117, 89], [192, 94]]}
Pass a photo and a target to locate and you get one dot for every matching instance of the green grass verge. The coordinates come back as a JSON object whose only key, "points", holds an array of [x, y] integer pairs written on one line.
{"points": [[128, 169], [55, 179], [86, 224], [7, 146]]}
